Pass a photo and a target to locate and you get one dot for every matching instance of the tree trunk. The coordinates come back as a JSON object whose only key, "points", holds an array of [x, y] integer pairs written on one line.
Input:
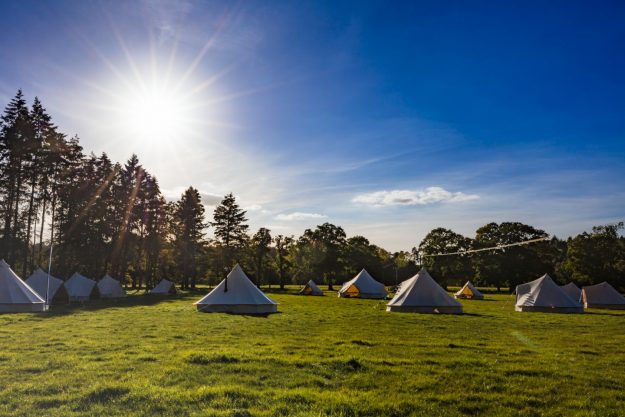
{"points": [[8, 215], [14, 230], [43, 223], [29, 223], [281, 279]]}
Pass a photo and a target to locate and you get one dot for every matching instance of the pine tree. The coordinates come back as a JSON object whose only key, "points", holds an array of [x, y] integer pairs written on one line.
{"points": [[230, 228], [131, 181], [188, 230], [16, 129], [154, 220], [42, 130]]}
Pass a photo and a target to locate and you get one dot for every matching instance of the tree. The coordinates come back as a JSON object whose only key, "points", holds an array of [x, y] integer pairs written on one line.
{"points": [[359, 253], [260, 244], [513, 265], [188, 230], [14, 138], [283, 246], [125, 216], [154, 223], [596, 256], [446, 268], [330, 240], [230, 228]]}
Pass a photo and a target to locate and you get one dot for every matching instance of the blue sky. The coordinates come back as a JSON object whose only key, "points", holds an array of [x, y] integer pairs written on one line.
{"points": [[389, 119]]}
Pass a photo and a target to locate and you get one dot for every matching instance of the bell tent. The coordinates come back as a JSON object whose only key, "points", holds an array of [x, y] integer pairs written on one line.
{"points": [[573, 291], [544, 295], [602, 296], [110, 288], [48, 287], [311, 289], [421, 294], [164, 287], [15, 295], [81, 289], [363, 286], [238, 295], [469, 292]]}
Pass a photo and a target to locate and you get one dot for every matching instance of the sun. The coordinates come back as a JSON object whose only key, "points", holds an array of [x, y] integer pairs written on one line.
{"points": [[158, 106], [154, 113]]}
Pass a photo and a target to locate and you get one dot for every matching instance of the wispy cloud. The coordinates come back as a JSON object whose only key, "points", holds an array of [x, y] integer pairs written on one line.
{"points": [[253, 207], [297, 216], [429, 195]]}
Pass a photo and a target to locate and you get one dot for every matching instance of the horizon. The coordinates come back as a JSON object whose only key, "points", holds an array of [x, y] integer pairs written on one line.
{"points": [[389, 123]]}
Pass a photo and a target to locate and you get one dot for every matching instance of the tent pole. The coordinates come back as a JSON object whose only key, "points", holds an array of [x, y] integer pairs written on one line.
{"points": [[48, 280]]}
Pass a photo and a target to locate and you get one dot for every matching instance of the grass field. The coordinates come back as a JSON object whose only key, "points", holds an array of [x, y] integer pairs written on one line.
{"points": [[320, 356]]}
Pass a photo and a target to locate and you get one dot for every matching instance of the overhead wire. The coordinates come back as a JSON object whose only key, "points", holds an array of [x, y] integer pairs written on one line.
{"points": [[507, 245]]}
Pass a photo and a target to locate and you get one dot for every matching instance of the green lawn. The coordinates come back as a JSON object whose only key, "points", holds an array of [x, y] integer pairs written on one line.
{"points": [[320, 356]]}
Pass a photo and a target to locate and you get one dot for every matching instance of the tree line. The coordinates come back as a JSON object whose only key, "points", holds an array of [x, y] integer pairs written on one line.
{"points": [[100, 216], [588, 258]]}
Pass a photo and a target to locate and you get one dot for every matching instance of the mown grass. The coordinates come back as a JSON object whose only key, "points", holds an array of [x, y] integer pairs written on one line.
{"points": [[320, 356]]}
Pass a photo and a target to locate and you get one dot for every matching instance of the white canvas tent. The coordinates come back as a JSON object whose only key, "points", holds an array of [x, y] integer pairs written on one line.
{"points": [[80, 288], [15, 295], [164, 287], [363, 286], [311, 289], [602, 296], [421, 294], [544, 295], [469, 292], [110, 288], [48, 287], [573, 291], [241, 297]]}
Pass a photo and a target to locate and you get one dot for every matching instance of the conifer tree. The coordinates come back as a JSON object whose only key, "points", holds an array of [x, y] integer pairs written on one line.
{"points": [[16, 129], [230, 228], [188, 230]]}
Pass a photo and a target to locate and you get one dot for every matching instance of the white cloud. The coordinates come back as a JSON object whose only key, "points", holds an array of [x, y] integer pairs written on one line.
{"points": [[174, 194], [297, 216], [429, 195], [210, 199]]}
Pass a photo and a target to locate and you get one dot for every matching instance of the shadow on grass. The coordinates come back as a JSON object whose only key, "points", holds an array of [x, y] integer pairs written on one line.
{"points": [[262, 316], [474, 315], [605, 313], [286, 291], [99, 304]]}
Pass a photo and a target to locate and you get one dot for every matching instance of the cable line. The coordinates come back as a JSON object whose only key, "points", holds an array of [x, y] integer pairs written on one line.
{"points": [[525, 242]]}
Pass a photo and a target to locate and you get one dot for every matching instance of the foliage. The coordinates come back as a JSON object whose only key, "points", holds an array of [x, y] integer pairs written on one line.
{"points": [[596, 256], [513, 265], [325, 244], [260, 244], [230, 226], [188, 231], [446, 269], [283, 246]]}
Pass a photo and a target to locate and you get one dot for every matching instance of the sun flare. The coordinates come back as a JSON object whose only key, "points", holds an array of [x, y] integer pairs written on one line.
{"points": [[154, 113]]}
